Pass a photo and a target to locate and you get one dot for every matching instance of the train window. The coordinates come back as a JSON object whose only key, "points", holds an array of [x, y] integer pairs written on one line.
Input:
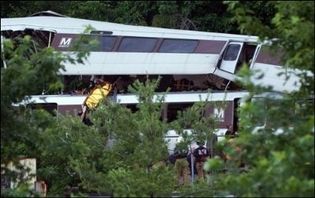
{"points": [[178, 46], [174, 108], [49, 107], [231, 52], [129, 44], [133, 107], [107, 43], [268, 55]]}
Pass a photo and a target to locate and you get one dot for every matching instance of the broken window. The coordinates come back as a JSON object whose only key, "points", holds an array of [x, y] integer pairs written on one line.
{"points": [[174, 108], [81, 85], [42, 38], [49, 107]]}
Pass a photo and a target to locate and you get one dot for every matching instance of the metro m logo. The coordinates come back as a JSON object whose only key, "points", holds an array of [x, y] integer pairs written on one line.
{"points": [[219, 113], [65, 42]]}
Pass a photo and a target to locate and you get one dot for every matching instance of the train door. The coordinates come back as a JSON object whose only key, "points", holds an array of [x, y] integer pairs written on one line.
{"points": [[231, 56]]}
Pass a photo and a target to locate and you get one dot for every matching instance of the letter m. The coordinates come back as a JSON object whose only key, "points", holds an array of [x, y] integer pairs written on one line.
{"points": [[219, 113], [65, 42]]}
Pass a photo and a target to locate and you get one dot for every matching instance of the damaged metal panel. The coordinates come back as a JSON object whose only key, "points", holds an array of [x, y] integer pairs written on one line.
{"points": [[41, 37]]}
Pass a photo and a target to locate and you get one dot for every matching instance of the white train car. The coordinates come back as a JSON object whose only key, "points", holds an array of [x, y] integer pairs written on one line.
{"points": [[173, 102], [140, 50]]}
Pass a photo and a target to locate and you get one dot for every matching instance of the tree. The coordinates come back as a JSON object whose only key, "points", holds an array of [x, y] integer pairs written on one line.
{"points": [[27, 8], [19, 132], [133, 159], [280, 156], [134, 165], [172, 14]]}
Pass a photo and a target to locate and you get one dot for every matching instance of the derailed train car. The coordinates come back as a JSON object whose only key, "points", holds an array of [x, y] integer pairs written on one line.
{"points": [[226, 114], [124, 50]]}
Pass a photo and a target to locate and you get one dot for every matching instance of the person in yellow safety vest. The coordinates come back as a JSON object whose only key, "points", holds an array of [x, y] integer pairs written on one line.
{"points": [[101, 90]]}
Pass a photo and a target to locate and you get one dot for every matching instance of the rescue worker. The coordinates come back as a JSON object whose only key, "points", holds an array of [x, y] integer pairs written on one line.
{"points": [[201, 154], [181, 165], [99, 92]]}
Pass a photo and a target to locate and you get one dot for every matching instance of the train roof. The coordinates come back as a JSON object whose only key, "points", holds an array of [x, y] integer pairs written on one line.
{"points": [[71, 25]]}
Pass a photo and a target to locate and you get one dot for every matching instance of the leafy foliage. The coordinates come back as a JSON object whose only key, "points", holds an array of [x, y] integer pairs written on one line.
{"points": [[130, 164], [26, 73], [277, 136], [195, 15]]}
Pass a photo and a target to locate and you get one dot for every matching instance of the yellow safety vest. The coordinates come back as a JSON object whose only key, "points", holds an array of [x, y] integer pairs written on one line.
{"points": [[97, 95]]}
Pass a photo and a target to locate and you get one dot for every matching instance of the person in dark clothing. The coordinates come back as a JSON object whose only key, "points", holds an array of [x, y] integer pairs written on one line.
{"points": [[181, 164], [201, 154], [172, 158], [86, 120]]}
